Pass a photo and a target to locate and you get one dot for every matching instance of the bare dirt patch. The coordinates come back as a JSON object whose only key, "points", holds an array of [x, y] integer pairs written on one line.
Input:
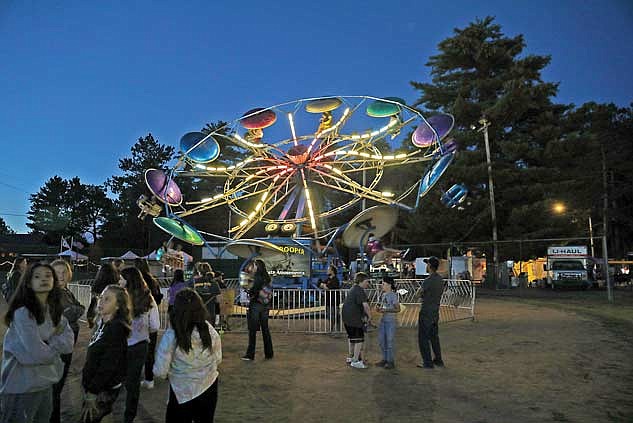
{"points": [[516, 362]]}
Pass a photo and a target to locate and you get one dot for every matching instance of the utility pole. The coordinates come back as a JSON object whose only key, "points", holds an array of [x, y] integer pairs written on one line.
{"points": [[605, 206], [485, 123]]}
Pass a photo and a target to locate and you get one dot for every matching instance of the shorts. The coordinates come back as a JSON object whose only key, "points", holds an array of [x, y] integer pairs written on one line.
{"points": [[355, 335]]}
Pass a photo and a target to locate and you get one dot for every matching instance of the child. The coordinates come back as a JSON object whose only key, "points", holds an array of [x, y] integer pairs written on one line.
{"points": [[356, 313], [73, 310], [145, 320], [189, 352], [389, 306], [107, 275], [105, 368], [38, 333]]}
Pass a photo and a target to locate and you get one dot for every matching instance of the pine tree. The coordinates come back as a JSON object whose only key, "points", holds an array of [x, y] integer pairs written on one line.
{"points": [[480, 72]]}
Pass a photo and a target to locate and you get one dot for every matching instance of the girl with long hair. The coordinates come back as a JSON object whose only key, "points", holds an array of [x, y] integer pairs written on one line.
{"points": [[73, 310], [106, 275], [189, 354], [145, 319], [106, 355], [154, 288], [260, 297], [38, 333]]}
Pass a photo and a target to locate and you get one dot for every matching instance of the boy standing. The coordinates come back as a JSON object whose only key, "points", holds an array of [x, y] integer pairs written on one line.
{"points": [[355, 309]]}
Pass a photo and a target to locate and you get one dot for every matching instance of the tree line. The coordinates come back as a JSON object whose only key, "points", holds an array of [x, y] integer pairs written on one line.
{"points": [[543, 152]]}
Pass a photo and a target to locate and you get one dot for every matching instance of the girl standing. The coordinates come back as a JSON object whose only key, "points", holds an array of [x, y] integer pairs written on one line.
{"points": [[105, 368], [389, 306], [189, 353], [38, 333], [260, 296], [154, 288], [145, 319], [107, 275], [73, 310]]}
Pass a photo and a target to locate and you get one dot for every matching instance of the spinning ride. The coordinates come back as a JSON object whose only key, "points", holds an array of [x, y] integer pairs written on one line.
{"points": [[304, 161]]}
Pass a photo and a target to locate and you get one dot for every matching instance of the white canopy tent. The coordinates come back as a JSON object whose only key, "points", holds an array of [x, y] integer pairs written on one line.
{"points": [[129, 255], [74, 255]]}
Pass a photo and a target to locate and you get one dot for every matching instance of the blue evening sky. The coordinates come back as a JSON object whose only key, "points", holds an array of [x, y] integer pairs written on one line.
{"points": [[81, 81]]}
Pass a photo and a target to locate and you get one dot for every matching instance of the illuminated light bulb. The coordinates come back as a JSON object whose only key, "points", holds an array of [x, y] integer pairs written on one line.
{"points": [[264, 195], [206, 200], [356, 137], [243, 222], [201, 166], [363, 154], [388, 157], [352, 153], [216, 196], [377, 157], [230, 167], [252, 215], [337, 171], [387, 194], [401, 156], [374, 133]]}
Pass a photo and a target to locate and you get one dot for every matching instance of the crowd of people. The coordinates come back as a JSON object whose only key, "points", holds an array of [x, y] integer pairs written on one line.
{"points": [[43, 325]]}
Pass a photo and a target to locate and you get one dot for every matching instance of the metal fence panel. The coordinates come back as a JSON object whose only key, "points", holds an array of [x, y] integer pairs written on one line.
{"points": [[317, 311]]}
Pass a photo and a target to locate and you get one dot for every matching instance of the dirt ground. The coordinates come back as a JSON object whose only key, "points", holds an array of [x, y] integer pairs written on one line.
{"points": [[519, 361]]}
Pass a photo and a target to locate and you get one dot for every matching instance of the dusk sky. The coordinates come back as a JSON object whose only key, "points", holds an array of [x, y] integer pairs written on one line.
{"points": [[81, 81]]}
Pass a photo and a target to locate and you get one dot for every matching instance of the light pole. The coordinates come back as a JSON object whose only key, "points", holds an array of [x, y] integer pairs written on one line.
{"points": [[485, 123], [559, 208]]}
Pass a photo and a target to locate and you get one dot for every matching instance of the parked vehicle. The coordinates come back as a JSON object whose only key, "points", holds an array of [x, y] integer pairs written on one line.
{"points": [[568, 267]]}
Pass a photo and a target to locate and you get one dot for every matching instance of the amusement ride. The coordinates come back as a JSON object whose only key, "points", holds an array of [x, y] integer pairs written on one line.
{"points": [[306, 161]]}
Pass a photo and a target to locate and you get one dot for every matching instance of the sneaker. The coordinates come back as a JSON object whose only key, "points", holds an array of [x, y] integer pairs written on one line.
{"points": [[147, 384], [390, 365], [438, 362], [246, 358], [424, 365], [381, 363], [358, 364], [349, 360]]}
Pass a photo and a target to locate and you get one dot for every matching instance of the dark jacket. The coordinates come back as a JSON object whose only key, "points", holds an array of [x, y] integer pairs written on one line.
{"points": [[73, 309], [261, 291], [106, 363]]}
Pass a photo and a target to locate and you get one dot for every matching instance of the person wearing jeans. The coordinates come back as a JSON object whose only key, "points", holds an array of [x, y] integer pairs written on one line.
{"points": [[430, 293], [389, 306]]}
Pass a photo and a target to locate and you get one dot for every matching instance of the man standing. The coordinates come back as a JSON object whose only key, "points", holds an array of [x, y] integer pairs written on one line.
{"points": [[355, 312], [430, 293]]}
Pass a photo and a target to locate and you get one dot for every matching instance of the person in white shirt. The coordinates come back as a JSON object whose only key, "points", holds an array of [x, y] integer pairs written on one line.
{"points": [[189, 354], [145, 319]]}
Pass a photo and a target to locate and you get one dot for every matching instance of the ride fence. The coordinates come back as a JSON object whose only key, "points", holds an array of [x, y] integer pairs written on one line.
{"points": [[319, 311]]}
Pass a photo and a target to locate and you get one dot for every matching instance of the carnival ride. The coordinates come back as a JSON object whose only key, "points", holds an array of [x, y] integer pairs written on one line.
{"points": [[306, 161]]}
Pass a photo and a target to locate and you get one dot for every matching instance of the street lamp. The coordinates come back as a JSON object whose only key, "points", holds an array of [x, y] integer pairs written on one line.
{"points": [[560, 208], [485, 123]]}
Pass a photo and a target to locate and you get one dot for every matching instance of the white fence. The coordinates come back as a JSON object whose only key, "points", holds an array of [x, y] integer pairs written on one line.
{"points": [[317, 311]]}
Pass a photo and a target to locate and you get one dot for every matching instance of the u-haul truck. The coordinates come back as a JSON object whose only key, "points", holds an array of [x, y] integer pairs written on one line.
{"points": [[567, 267]]}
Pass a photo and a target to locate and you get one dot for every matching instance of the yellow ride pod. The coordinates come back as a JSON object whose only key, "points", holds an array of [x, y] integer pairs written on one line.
{"points": [[323, 105], [258, 118], [381, 108]]}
